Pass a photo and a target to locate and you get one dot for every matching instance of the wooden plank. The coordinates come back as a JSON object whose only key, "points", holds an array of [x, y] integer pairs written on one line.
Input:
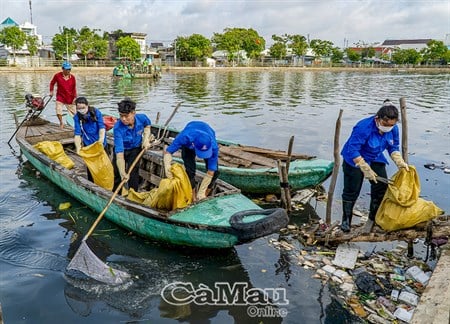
{"points": [[275, 154], [255, 158], [234, 161]]}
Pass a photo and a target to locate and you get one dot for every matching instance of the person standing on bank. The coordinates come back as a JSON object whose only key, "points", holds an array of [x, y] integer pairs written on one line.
{"points": [[88, 126], [363, 158], [131, 134], [66, 91], [196, 139]]}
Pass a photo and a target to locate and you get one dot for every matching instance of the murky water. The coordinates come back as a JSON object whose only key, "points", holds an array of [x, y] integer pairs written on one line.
{"points": [[258, 108]]}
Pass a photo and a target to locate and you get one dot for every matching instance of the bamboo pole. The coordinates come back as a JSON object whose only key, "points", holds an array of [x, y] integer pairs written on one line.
{"points": [[404, 129], [334, 174]]}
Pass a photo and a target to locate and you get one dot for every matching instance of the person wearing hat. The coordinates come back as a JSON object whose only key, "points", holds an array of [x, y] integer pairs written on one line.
{"points": [[66, 91], [363, 158], [88, 126], [131, 135], [196, 139]]}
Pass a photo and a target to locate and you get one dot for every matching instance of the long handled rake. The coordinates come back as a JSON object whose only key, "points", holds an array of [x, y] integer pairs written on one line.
{"points": [[84, 259]]}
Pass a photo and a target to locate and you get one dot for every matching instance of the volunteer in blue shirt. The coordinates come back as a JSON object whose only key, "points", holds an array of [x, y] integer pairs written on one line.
{"points": [[363, 158], [131, 134], [196, 139], [88, 126]]}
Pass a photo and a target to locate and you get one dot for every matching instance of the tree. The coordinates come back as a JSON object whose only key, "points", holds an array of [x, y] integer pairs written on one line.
{"points": [[278, 50], [128, 48], [434, 52], [32, 45], [234, 40], [406, 56], [353, 55], [321, 48], [298, 44], [13, 37], [64, 42], [337, 55], [193, 48], [88, 42]]}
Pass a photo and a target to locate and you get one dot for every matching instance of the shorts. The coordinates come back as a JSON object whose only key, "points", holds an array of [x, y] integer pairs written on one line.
{"points": [[60, 105]]}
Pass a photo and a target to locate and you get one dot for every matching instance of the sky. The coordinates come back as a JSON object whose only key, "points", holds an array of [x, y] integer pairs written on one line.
{"points": [[343, 22]]}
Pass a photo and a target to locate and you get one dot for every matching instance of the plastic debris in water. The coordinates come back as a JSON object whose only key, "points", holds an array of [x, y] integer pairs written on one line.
{"points": [[64, 206]]}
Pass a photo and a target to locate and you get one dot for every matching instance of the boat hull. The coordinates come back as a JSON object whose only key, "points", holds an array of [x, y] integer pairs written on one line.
{"points": [[205, 224]]}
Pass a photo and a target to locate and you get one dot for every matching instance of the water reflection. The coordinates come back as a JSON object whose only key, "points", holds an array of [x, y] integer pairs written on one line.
{"points": [[151, 265]]}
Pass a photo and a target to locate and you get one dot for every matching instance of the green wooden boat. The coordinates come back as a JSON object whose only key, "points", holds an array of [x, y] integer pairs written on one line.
{"points": [[254, 170], [222, 220]]}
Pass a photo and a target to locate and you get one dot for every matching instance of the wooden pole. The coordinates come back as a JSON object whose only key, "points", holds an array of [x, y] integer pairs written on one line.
{"points": [[282, 192], [404, 129], [334, 174]]}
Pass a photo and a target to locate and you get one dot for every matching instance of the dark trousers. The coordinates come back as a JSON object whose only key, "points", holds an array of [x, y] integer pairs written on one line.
{"points": [[129, 156], [188, 156], [353, 180]]}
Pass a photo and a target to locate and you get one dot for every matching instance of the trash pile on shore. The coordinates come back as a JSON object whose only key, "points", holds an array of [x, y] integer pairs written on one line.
{"points": [[378, 287]]}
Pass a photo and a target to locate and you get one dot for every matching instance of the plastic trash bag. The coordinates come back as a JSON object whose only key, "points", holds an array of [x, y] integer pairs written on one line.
{"points": [[171, 194], [55, 151], [99, 165], [401, 206]]}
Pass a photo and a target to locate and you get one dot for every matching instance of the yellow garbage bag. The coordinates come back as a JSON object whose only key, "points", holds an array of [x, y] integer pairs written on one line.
{"points": [[99, 165], [171, 194], [401, 206], [55, 151]]}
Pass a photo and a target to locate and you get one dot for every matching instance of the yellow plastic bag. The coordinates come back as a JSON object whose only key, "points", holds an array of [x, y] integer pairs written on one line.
{"points": [[401, 206], [171, 194], [55, 151], [99, 165]]}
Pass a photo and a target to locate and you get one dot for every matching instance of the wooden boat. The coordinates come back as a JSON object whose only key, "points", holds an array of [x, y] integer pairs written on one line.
{"points": [[224, 219], [253, 169]]}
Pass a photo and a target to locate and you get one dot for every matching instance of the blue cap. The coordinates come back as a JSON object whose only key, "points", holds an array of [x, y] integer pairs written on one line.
{"points": [[66, 65], [203, 145]]}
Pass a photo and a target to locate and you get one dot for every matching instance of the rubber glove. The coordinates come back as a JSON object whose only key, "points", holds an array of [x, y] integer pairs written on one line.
{"points": [[77, 141], [101, 135], [397, 158], [204, 186], [147, 137], [121, 167], [167, 165], [367, 170]]}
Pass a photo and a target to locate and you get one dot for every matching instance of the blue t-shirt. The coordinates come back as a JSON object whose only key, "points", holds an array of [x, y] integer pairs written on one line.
{"points": [[366, 141], [126, 138], [186, 139], [88, 128]]}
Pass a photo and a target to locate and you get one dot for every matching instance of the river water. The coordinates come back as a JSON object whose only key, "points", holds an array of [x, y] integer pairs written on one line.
{"points": [[262, 108]]}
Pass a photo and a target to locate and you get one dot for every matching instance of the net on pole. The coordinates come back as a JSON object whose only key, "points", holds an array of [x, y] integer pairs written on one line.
{"points": [[88, 263]]}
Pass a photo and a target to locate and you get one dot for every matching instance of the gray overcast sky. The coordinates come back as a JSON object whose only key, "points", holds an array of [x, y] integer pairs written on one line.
{"points": [[335, 20]]}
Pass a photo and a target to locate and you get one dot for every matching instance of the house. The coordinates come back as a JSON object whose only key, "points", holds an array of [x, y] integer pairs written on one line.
{"points": [[416, 44], [22, 55]]}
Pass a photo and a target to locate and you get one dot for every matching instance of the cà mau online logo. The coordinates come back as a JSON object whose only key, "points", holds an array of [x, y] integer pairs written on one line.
{"points": [[183, 293]]}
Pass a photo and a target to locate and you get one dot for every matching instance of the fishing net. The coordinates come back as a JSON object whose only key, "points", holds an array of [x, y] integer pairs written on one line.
{"points": [[88, 263]]}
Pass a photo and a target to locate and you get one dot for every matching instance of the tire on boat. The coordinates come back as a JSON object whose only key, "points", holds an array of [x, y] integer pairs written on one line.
{"points": [[276, 218]]}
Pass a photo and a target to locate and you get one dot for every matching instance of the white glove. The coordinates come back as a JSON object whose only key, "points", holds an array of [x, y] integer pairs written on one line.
{"points": [[167, 165], [77, 141], [367, 170], [147, 138], [204, 186], [121, 167], [398, 159], [101, 135]]}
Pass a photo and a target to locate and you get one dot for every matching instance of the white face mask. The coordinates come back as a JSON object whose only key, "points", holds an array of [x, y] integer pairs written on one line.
{"points": [[83, 111], [384, 129]]}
